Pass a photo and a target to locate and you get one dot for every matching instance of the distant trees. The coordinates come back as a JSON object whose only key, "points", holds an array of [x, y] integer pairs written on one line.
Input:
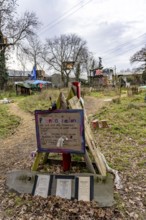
{"points": [[14, 30], [140, 56], [63, 49]]}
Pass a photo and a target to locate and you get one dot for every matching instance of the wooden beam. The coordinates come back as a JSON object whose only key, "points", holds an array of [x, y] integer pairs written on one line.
{"points": [[74, 103]]}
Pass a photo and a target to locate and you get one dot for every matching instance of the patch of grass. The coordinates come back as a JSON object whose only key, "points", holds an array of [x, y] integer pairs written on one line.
{"points": [[7, 122], [108, 92], [119, 202], [131, 105], [39, 101], [8, 94], [142, 163], [123, 142], [127, 149], [97, 94], [77, 157], [121, 163], [125, 118], [10, 211], [18, 200]]}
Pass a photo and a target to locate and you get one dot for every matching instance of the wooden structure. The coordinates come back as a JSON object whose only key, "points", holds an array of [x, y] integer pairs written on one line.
{"points": [[68, 65], [23, 90], [101, 77], [40, 74], [96, 154], [73, 102]]}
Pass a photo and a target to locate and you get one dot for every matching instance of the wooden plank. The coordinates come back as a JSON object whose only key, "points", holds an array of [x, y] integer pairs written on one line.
{"points": [[89, 162], [36, 162], [74, 103], [95, 152]]}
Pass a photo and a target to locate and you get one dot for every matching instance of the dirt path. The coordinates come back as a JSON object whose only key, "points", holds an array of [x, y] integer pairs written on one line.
{"points": [[93, 104], [19, 145]]}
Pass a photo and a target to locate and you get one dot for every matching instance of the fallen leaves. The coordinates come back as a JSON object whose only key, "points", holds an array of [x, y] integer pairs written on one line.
{"points": [[53, 208]]}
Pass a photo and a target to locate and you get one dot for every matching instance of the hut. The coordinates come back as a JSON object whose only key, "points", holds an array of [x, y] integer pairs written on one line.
{"points": [[26, 87]]}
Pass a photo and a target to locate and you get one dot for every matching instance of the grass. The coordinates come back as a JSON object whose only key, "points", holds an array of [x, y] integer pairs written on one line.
{"points": [[7, 122], [124, 146], [107, 92], [124, 140], [8, 94], [39, 101]]}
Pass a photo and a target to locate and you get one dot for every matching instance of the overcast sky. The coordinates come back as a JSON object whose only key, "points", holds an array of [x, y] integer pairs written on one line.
{"points": [[113, 29]]}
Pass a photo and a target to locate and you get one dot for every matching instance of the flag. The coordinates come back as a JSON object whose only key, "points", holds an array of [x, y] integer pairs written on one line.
{"points": [[33, 75]]}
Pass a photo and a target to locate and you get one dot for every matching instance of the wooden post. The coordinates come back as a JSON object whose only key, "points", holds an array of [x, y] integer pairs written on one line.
{"points": [[89, 162], [95, 123], [66, 157], [104, 124], [36, 162]]}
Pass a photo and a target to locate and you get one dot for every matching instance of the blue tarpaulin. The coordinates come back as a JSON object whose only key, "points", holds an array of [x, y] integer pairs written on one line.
{"points": [[40, 82], [35, 82]]}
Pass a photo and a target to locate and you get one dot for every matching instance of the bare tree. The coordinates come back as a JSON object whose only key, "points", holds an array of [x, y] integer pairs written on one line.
{"points": [[62, 49], [90, 63], [140, 57], [13, 30], [31, 50], [81, 63]]}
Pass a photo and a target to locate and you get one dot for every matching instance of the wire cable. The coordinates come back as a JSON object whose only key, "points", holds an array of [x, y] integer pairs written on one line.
{"points": [[129, 49], [125, 44], [50, 26], [56, 19]]}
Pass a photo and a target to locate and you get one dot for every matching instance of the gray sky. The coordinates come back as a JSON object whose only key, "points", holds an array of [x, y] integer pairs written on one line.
{"points": [[113, 29]]}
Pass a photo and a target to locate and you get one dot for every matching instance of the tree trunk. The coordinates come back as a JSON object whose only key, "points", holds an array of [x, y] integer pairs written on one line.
{"points": [[67, 80], [3, 72], [78, 72], [63, 77]]}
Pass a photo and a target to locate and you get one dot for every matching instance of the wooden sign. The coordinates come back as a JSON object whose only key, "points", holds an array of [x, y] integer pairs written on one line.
{"points": [[60, 131]]}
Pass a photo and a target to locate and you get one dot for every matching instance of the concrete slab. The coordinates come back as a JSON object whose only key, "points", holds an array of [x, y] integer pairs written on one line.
{"points": [[104, 191], [22, 181]]}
